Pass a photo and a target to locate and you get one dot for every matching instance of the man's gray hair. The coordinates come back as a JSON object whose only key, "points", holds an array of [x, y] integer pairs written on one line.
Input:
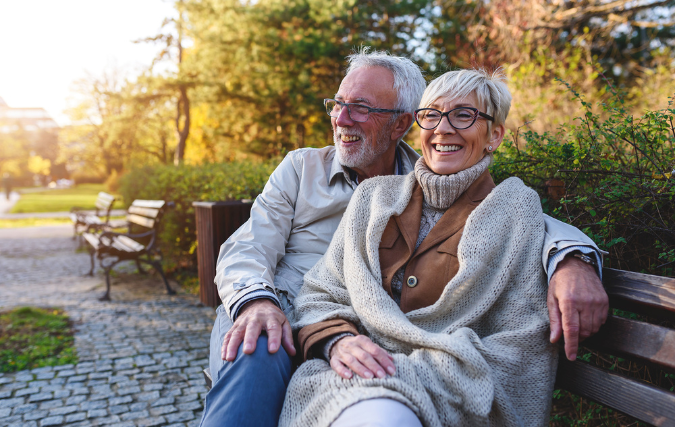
{"points": [[489, 86], [408, 80]]}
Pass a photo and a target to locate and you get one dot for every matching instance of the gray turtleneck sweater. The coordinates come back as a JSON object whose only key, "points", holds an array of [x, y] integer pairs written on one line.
{"points": [[440, 192]]}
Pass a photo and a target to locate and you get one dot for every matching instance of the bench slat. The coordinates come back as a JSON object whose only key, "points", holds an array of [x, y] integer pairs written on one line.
{"points": [[631, 338], [149, 212], [102, 206], [635, 398], [92, 239], [92, 220], [640, 293], [156, 204], [141, 220], [130, 243], [106, 197]]}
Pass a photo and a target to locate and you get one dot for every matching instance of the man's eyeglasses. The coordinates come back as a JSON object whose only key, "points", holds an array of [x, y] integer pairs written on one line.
{"points": [[357, 112], [459, 118]]}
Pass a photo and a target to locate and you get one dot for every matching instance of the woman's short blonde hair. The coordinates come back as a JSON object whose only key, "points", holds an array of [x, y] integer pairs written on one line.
{"points": [[490, 88]]}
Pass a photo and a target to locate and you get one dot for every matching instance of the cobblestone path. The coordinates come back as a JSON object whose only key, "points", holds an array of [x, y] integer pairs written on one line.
{"points": [[140, 355]]}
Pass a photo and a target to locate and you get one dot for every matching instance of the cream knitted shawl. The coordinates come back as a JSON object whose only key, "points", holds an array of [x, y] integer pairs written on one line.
{"points": [[479, 356]]}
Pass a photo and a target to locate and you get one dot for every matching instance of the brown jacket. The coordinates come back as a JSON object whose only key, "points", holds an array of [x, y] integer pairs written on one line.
{"points": [[428, 269]]}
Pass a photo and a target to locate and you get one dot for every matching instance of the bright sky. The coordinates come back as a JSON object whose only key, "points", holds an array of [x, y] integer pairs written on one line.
{"points": [[45, 45]]}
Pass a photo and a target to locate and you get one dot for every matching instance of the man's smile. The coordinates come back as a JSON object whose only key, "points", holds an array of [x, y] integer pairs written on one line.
{"points": [[350, 138]]}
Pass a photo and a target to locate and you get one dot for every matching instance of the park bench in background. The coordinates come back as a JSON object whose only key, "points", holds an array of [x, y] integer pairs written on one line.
{"points": [[84, 220], [652, 296], [138, 244]]}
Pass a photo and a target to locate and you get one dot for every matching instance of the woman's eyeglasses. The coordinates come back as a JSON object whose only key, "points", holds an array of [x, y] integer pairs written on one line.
{"points": [[459, 118]]}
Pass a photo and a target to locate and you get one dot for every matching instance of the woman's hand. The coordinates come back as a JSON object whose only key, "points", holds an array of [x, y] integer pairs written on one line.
{"points": [[361, 355]]}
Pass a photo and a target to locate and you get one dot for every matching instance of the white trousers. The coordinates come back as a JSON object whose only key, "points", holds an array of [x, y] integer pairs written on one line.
{"points": [[377, 413]]}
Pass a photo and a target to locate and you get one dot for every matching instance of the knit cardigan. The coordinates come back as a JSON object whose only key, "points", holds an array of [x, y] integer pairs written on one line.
{"points": [[479, 356]]}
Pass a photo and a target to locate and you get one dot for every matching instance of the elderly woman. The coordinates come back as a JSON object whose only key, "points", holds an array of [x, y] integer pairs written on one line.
{"points": [[432, 290]]}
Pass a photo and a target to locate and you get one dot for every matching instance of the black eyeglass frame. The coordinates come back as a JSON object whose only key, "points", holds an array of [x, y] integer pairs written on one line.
{"points": [[476, 113], [349, 111]]}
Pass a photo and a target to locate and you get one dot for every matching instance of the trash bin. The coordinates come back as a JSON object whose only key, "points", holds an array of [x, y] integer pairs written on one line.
{"points": [[216, 221]]}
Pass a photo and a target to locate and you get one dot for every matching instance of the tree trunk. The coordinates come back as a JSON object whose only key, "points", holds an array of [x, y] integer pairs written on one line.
{"points": [[182, 110], [183, 105], [300, 135]]}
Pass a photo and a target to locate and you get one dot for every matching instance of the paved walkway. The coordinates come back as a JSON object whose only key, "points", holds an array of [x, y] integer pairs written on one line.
{"points": [[140, 355]]}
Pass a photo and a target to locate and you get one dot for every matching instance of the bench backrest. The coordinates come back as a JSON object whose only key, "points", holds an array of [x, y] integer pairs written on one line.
{"points": [[649, 343], [104, 203], [145, 213]]}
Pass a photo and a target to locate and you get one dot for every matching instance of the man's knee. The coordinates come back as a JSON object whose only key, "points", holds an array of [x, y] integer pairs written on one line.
{"points": [[243, 384], [262, 362]]}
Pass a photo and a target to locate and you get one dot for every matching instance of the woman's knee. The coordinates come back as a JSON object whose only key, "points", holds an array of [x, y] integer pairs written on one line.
{"points": [[377, 413]]}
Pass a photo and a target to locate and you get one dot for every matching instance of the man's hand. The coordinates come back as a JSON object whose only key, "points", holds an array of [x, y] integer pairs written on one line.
{"points": [[577, 303], [257, 316], [361, 355]]}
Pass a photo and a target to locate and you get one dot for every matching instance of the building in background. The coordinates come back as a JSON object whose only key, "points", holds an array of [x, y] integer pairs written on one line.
{"points": [[27, 119], [29, 145]]}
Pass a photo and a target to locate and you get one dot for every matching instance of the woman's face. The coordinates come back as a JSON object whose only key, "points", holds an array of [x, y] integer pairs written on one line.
{"points": [[448, 150]]}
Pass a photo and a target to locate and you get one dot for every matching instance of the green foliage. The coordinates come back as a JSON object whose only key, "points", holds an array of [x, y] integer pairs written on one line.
{"points": [[264, 67], [32, 338], [608, 173], [186, 184]]}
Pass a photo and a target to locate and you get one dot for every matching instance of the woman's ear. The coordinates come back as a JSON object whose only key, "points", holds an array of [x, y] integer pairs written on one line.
{"points": [[401, 125], [496, 136]]}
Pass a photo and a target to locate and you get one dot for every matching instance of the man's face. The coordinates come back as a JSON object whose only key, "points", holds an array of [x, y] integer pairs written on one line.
{"points": [[359, 145]]}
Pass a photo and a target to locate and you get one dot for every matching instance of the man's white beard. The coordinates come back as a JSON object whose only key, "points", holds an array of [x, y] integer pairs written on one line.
{"points": [[362, 155]]}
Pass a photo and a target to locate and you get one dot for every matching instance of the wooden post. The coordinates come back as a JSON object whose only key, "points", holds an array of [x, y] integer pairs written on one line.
{"points": [[216, 221]]}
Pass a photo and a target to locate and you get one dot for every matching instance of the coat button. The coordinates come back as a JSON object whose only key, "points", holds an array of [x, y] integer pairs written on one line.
{"points": [[412, 281]]}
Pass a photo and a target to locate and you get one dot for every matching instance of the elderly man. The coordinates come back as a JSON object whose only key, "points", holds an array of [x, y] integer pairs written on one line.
{"points": [[261, 266]]}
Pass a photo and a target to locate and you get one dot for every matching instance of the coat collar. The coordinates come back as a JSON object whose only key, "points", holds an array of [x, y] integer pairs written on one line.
{"points": [[451, 221]]}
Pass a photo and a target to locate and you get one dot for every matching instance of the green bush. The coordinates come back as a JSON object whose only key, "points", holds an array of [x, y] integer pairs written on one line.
{"points": [[186, 184], [87, 177], [611, 175]]}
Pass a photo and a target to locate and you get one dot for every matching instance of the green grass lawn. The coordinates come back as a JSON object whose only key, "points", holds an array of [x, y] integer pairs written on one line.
{"points": [[41, 222], [60, 200], [33, 337]]}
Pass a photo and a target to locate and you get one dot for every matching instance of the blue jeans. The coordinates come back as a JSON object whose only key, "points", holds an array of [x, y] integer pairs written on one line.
{"points": [[249, 391]]}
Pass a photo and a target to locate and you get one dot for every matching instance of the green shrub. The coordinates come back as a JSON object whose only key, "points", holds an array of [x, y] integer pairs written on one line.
{"points": [[87, 177], [611, 175], [186, 184]]}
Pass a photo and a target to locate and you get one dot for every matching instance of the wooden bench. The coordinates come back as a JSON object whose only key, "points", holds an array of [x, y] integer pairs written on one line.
{"points": [[138, 244], [92, 221], [652, 344], [634, 340]]}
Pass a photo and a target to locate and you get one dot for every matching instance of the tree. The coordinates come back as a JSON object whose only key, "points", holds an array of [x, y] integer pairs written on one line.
{"points": [[118, 122], [178, 83], [266, 66]]}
